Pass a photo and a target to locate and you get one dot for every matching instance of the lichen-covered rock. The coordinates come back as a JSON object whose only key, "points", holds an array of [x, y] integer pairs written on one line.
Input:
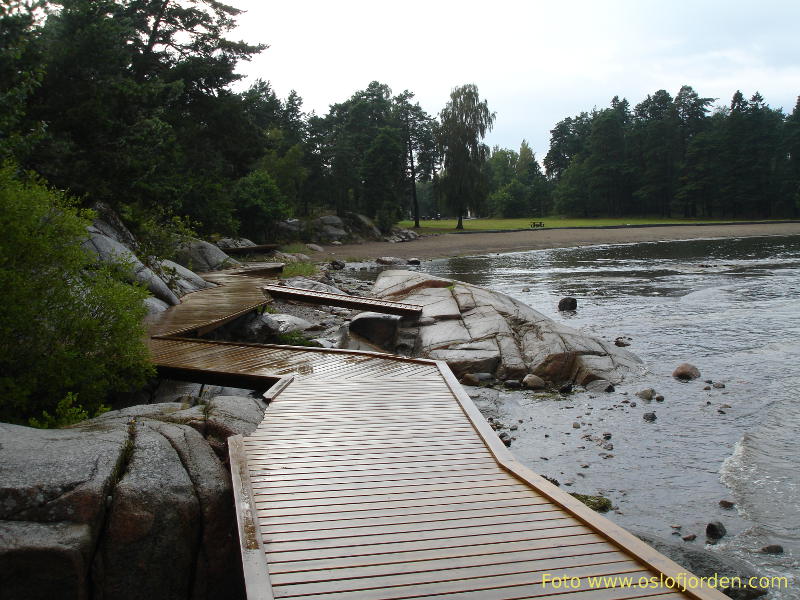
{"points": [[476, 329]]}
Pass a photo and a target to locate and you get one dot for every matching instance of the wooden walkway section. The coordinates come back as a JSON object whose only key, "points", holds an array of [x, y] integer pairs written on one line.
{"points": [[343, 300], [375, 477]]}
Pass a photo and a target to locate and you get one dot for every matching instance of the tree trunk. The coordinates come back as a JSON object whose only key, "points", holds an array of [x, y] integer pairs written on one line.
{"points": [[413, 184]]}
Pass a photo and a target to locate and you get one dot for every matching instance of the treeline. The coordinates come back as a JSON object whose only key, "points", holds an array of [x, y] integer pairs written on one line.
{"points": [[675, 157], [130, 103]]}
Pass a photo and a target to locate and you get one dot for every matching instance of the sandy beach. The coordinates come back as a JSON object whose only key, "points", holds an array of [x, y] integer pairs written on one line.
{"points": [[444, 245]]}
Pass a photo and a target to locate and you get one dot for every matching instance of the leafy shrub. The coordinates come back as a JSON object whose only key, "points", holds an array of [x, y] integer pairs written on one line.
{"points": [[303, 269], [68, 325], [258, 204]]}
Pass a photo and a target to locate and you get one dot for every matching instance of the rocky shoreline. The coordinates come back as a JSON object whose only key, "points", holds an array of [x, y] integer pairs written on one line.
{"points": [[138, 501]]}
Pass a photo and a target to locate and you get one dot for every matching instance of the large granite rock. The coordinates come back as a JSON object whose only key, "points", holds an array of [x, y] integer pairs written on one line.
{"points": [[110, 250], [479, 330], [136, 503], [181, 280], [201, 256]]}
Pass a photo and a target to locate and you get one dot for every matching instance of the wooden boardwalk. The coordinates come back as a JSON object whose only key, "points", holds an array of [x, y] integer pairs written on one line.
{"points": [[343, 300], [374, 477]]}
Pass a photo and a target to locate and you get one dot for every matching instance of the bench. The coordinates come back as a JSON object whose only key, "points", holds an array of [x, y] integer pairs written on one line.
{"points": [[535, 224]]}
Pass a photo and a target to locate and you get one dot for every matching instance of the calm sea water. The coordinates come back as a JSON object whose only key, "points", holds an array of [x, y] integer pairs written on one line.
{"points": [[732, 308]]}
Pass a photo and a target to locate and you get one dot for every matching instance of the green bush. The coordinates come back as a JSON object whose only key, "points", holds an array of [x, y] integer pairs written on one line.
{"points": [[258, 204], [69, 327]]}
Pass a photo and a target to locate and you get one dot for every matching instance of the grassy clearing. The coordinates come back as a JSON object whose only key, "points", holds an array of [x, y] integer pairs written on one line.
{"points": [[448, 225], [298, 269], [294, 248]]}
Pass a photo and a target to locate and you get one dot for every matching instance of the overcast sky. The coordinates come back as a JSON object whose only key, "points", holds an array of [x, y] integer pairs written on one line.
{"points": [[535, 62]]}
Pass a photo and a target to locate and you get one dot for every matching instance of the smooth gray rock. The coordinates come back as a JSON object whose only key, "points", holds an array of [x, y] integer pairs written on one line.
{"points": [[376, 328], [391, 260], [226, 243], [53, 475], [533, 382], [600, 385], [154, 305], [475, 329], [109, 224], [94, 511], [111, 251], [201, 256], [332, 220], [315, 248], [290, 323], [329, 233], [182, 280], [44, 561], [150, 542], [309, 284]]}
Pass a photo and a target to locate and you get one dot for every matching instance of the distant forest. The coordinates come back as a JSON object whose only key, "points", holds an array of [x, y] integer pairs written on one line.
{"points": [[132, 103]]}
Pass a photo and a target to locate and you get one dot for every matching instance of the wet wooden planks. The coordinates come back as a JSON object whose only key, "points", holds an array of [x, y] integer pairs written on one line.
{"points": [[205, 310], [343, 300], [272, 362], [380, 489]]}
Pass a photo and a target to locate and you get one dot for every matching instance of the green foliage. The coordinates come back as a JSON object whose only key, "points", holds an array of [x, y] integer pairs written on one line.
{"points": [[669, 157], [596, 503], [67, 412], [465, 120], [158, 234], [294, 338], [303, 269], [258, 204], [69, 325]]}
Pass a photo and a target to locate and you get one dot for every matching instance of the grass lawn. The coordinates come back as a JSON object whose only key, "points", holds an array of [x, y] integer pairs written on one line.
{"points": [[446, 225]]}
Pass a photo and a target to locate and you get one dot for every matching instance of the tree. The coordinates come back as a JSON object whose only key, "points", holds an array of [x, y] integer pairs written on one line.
{"points": [[76, 326], [465, 120], [418, 130]]}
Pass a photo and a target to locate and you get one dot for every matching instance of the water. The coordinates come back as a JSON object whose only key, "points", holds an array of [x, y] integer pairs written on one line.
{"points": [[732, 308]]}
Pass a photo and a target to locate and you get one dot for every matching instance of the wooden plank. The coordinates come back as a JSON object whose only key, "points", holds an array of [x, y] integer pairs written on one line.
{"points": [[343, 300], [276, 389], [569, 546], [438, 572], [526, 514], [383, 590], [254, 561], [310, 551]]}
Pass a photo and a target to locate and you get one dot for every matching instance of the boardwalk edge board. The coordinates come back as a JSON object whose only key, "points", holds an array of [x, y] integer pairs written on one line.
{"points": [[254, 558]]}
